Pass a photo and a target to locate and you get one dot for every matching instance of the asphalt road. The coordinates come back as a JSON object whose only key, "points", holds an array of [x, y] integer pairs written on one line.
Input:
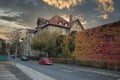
{"points": [[69, 72]]}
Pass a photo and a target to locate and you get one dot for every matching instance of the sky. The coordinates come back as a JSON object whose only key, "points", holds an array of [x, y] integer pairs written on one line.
{"points": [[22, 14]]}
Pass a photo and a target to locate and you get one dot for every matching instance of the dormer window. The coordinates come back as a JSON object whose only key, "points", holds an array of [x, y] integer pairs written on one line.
{"points": [[47, 22], [60, 23], [66, 24]]}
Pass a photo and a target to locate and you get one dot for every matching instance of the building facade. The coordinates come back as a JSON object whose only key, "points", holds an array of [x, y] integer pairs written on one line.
{"points": [[58, 24]]}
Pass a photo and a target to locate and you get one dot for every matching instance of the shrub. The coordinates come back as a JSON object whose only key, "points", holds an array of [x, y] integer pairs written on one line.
{"points": [[89, 63], [100, 64], [34, 58], [60, 55], [117, 66]]}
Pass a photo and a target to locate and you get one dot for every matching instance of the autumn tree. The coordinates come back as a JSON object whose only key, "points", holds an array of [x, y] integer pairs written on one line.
{"points": [[46, 42]]}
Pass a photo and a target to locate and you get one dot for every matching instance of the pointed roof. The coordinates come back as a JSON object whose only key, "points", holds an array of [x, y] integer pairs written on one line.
{"points": [[74, 21], [56, 19], [60, 22], [43, 20]]}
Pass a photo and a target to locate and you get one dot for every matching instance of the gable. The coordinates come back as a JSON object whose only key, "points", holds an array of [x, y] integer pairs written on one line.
{"points": [[57, 20], [76, 25]]}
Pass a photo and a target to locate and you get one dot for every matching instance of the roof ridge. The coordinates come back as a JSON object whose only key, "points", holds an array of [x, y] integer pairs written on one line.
{"points": [[58, 17]]}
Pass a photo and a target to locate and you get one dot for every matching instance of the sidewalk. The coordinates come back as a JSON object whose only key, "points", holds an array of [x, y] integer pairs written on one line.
{"points": [[5, 74], [9, 71]]}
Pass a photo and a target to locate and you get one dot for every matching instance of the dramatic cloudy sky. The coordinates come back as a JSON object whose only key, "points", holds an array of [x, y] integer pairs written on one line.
{"points": [[24, 13]]}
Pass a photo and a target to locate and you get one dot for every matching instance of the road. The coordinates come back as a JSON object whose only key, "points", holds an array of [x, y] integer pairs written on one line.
{"points": [[69, 72]]}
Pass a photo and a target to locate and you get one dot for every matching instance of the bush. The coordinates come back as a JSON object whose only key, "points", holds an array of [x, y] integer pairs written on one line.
{"points": [[100, 64], [117, 66], [34, 58], [60, 56], [89, 63]]}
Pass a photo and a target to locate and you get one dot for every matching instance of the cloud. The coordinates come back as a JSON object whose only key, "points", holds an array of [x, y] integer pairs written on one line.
{"points": [[106, 5], [63, 3], [66, 17], [81, 18], [83, 22], [104, 16], [3, 37], [8, 24], [33, 2], [6, 27], [8, 18], [10, 13]]}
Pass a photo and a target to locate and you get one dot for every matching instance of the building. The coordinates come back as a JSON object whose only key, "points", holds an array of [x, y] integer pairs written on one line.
{"points": [[58, 24], [55, 24]]}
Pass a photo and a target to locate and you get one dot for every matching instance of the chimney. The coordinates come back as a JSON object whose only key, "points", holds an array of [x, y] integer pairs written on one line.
{"points": [[71, 18], [38, 22]]}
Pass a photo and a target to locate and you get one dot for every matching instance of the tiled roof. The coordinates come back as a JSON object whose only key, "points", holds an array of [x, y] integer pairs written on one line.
{"points": [[59, 21], [56, 19], [43, 20]]}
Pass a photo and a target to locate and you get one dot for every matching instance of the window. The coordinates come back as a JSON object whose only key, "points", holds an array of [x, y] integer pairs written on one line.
{"points": [[66, 24], [47, 22], [67, 30], [60, 30], [60, 23]]}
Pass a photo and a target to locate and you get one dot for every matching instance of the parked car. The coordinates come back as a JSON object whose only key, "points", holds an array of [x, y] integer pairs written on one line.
{"points": [[44, 60], [24, 58], [12, 56]]}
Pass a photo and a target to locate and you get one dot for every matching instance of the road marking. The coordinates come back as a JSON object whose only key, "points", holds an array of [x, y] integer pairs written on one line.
{"points": [[35, 75]]}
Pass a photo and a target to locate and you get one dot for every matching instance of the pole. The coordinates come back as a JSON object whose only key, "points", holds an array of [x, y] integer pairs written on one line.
{"points": [[17, 41]]}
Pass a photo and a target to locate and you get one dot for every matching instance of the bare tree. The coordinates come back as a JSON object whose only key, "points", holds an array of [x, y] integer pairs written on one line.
{"points": [[14, 38]]}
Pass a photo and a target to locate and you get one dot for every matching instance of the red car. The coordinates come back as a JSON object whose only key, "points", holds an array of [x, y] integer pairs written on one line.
{"points": [[44, 60]]}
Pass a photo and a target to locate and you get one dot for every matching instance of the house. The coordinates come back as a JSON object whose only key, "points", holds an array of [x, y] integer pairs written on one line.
{"points": [[55, 24], [58, 24]]}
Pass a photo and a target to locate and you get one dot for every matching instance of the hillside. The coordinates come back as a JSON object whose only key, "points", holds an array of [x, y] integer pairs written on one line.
{"points": [[101, 43]]}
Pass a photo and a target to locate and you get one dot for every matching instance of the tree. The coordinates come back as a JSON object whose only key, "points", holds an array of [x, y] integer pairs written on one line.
{"points": [[2, 47], [14, 38], [71, 45], [55, 44], [46, 42]]}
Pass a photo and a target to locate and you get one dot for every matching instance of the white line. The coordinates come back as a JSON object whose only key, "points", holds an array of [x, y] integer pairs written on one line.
{"points": [[35, 75]]}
